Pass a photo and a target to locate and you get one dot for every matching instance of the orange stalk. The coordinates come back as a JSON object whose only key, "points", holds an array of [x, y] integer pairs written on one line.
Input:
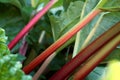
{"points": [[38, 60]]}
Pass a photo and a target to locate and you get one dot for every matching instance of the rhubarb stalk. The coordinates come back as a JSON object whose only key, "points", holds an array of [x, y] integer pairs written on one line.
{"points": [[99, 56], [38, 60], [68, 68], [31, 23]]}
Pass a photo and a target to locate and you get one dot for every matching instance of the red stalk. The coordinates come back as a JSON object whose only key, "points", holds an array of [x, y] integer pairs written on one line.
{"points": [[99, 56], [31, 23], [38, 60], [68, 68]]}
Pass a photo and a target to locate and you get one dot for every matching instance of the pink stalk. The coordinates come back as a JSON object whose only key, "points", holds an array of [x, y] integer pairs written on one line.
{"points": [[38, 60], [31, 23], [97, 58]]}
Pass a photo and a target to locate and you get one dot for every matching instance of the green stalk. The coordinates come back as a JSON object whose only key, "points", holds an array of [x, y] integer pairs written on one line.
{"points": [[99, 56], [92, 32], [76, 46], [101, 3]]}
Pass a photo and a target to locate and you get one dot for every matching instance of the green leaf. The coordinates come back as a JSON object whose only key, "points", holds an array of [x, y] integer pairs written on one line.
{"points": [[100, 23], [88, 6], [66, 3], [13, 2], [109, 18], [59, 3], [26, 12], [37, 3], [9, 67], [10, 20], [3, 38], [34, 3], [110, 5], [3, 47], [66, 20], [34, 35]]}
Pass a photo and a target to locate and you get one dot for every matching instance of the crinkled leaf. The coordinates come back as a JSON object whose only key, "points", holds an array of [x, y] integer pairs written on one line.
{"points": [[3, 38], [3, 47], [10, 68]]}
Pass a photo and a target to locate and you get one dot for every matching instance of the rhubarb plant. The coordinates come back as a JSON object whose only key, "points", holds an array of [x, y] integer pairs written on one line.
{"points": [[89, 19]]}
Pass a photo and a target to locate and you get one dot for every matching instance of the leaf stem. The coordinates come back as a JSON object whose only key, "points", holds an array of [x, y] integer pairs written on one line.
{"points": [[86, 53], [99, 56], [38, 60], [31, 23], [92, 32]]}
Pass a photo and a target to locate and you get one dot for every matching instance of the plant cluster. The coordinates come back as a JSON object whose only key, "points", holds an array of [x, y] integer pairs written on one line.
{"points": [[59, 39]]}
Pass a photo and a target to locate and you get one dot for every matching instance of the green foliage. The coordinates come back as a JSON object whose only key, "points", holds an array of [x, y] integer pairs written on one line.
{"points": [[110, 5], [110, 18], [10, 68], [14, 18], [66, 20], [66, 3], [14, 14], [3, 38], [82, 35], [3, 47], [11, 19]]}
